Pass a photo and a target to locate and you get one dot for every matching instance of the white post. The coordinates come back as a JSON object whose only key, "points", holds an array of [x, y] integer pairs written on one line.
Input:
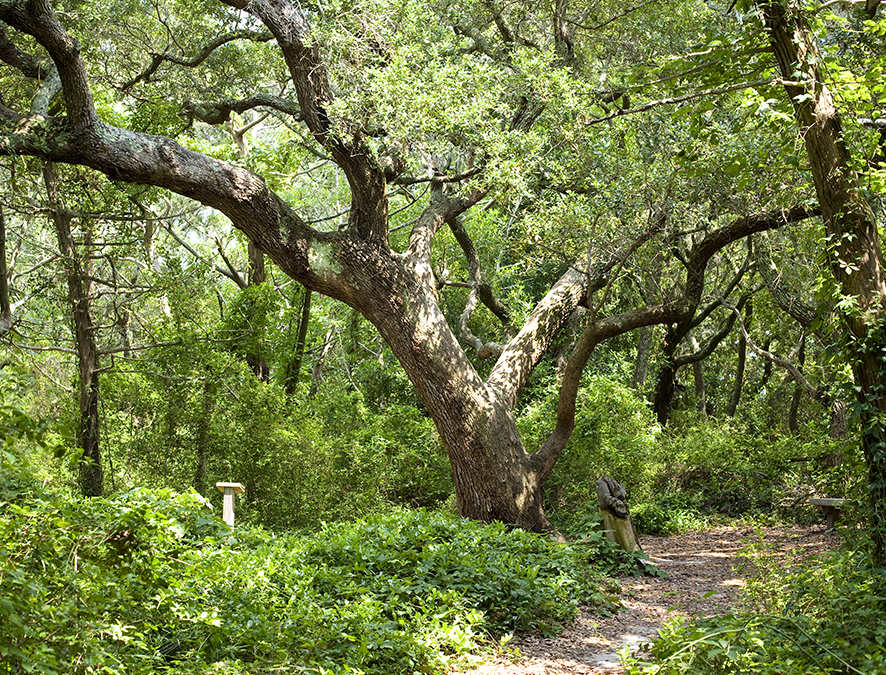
{"points": [[229, 489]]}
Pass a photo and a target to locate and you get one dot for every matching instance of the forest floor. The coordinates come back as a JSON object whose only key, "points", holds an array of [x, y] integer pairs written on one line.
{"points": [[704, 575]]}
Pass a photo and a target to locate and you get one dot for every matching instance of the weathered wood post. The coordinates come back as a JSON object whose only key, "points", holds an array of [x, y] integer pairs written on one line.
{"points": [[229, 489], [613, 502]]}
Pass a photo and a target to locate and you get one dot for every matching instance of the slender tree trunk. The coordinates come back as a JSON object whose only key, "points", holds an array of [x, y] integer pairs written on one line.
{"points": [[666, 384], [701, 403], [257, 275], [854, 251], [293, 367], [641, 362], [767, 365], [738, 384], [203, 435], [793, 425], [79, 295], [5, 306]]}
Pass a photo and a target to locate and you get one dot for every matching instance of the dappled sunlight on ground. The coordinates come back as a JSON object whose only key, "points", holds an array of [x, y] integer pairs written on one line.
{"points": [[704, 578]]}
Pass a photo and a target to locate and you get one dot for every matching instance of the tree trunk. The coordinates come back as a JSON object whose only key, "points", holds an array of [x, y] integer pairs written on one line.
{"points": [[495, 477], [797, 396], [5, 306], [854, 252], [79, 296], [293, 366], [666, 384], [641, 362], [203, 435], [257, 276], [740, 366], [701, 403]]}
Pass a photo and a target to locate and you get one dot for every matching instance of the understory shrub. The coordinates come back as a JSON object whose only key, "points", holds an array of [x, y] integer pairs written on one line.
{"points": [[713, 471], [152, 582]]}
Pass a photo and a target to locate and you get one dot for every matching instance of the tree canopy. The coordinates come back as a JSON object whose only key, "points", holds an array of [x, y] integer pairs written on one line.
{"points": [[489, 185]]}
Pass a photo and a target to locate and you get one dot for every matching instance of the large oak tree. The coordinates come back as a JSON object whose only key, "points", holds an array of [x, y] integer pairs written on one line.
{"points": [[496, 477]]}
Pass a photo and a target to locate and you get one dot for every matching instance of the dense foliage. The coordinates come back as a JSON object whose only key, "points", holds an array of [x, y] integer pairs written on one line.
{"points": [[151, 581], [457, 256]]}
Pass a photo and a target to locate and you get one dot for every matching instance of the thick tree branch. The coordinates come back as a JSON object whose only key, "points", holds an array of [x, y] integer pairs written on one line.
{"points": [[36, 18], [218, 112], [784, 297], [27, 65], [522, 353], [368, 216], [439, 211], [671, 312]]}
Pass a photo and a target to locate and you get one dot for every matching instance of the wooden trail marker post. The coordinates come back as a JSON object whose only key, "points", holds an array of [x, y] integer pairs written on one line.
{"points": [[229, 490]]}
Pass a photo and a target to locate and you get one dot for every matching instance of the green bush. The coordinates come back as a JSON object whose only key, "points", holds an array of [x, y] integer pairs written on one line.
{"points": [[152, 582], [615, 434], [713, 471]]}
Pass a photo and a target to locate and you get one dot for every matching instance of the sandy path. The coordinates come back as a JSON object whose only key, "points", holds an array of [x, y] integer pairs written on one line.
{"points": [[703, 579]]}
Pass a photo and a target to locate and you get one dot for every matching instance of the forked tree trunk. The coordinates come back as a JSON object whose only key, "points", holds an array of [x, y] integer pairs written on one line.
{"points": [[495, 477]]}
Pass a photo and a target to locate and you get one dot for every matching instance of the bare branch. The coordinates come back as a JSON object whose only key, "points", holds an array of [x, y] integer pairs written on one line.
{"points": [[204, 53], [442, 179], [630, 10], [777, 360], [218, 112], [768, 82]]}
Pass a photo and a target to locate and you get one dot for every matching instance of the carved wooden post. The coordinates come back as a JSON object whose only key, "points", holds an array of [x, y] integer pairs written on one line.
{"points": [[229, 489], [612, 499]]}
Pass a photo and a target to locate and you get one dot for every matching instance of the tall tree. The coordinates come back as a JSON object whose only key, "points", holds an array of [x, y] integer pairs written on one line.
{"points": [[395, 289], [854, 252], [79, 279]]}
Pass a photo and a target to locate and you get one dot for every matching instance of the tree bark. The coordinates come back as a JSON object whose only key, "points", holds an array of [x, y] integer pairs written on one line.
{"points": [[641, 361], [854, 251], [293, 367], [738, 384], [91, 476], [701, 403], [5, 306], [797, 396]]}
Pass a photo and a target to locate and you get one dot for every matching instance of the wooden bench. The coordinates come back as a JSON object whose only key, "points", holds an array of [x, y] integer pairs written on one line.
{"points": [[831, 506]]}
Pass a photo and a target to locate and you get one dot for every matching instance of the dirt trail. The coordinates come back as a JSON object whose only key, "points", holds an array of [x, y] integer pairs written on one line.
{"points": [[698, 564]]}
